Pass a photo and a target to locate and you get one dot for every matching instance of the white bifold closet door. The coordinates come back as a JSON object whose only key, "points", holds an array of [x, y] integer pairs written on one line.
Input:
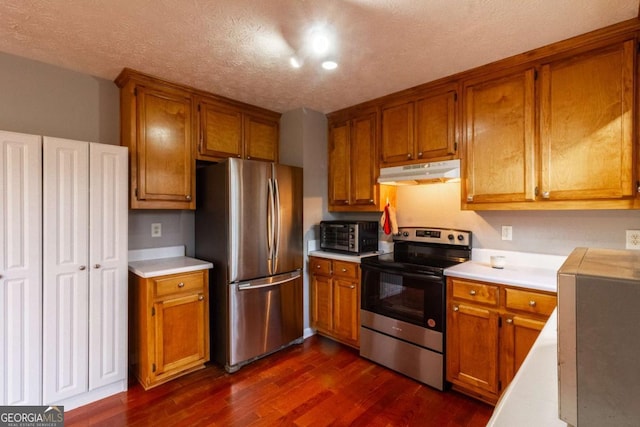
{"points": [[84, 267], [20, 269]]}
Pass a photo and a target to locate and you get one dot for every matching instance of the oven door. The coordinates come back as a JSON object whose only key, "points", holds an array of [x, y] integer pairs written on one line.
{"points": [[412, 297]]}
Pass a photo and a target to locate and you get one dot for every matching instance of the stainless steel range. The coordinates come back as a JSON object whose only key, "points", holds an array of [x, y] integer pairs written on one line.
{"points": [[403, 302]]}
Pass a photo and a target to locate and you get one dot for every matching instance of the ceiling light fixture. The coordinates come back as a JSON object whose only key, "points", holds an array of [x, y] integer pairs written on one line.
{"points": [[329, 65], [320, 44], [295, 62]]}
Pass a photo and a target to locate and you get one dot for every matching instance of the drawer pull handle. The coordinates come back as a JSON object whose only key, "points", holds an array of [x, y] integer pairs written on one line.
{"points": [[472, 292], [344, 270], [97, 266], [509, 321], [318, 266], [456, 308], [532, 303], [181, 285], [200, 298]]}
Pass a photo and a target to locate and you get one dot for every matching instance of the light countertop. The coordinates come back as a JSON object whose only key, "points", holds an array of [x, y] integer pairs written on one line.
{"points": [[343, 257], [527, 270], [162, 261], [531, 400]]}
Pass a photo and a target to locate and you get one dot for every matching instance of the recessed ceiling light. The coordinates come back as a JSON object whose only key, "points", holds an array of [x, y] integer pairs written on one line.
{"points": [[320, 44], [329, 65], [295, 63]]}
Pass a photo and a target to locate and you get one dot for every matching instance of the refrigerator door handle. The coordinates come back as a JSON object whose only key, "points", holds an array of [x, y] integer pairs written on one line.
{"points": [[272, 281], [270, 225], [278, 222]]}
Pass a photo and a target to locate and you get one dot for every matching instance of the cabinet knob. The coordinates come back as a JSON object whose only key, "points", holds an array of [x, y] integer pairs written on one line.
{"points": [[352, 287], [344, 270], [83, 267], [509, 321], [456, 308], [187, 197], [238, 156], [408, 155], [545, 195], [248, 157], [201, 298], [181, 285], [472, 292], [470, 198], [0, 276], [370, 200], [346, 202], [97, 266], [532, 303], [420, 154]]}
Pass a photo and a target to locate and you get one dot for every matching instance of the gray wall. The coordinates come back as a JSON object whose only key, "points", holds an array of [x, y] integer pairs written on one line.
{"points": [[551, 232], [47, 100]]}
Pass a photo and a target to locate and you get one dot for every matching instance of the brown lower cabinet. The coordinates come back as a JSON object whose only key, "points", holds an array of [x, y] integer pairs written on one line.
{"points": [[169, 325], [335, 299], [490, 329]]}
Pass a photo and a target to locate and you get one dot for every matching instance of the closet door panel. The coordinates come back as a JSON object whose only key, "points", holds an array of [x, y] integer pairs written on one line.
{"points": [[108, 264], [65, 268], [20, 269]]}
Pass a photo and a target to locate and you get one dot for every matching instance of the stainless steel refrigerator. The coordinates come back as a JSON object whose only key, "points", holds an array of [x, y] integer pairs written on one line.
{"points": [[248, 223]]}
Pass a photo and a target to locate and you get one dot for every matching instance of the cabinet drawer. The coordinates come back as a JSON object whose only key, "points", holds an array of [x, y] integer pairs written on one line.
{"points": [[179, 283], [345, 269], [477, 292], [531, 302], [320, 266]]}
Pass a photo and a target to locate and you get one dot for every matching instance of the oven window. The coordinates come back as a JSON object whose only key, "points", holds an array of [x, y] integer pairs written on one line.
{"points": [[408, 297]]}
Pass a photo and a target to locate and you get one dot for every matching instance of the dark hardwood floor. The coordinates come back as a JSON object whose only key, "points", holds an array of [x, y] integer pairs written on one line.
{"points": [[317, 383]]}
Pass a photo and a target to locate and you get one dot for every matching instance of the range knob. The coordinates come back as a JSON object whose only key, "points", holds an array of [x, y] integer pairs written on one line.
{"points": [[405, 234], [460, 237], [450, 236]]}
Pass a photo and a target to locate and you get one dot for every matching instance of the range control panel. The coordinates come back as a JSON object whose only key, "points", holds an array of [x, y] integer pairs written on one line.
{"points": [[442, 236]]}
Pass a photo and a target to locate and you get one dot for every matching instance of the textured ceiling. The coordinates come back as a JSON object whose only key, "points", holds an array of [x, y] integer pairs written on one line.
{"points": [[241, 48]]}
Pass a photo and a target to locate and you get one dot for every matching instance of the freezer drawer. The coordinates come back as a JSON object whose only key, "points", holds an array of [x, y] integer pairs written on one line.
{"points": [[264, 316]]}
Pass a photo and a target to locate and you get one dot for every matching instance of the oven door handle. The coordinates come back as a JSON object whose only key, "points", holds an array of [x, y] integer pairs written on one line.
{"points": [[422, 275]]}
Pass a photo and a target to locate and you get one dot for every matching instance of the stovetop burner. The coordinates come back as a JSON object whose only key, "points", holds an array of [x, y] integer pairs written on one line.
{"points": [[428, 250]]}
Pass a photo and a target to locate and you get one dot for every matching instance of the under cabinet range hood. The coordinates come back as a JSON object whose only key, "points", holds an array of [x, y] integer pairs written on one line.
{"points": [[421, 173]]}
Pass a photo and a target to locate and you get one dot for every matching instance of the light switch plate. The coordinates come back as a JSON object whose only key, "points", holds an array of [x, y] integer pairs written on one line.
{"points": [[507, 232], [156, 229]]}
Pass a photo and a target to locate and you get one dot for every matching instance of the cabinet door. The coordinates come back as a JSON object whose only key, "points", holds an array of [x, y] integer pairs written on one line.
{"points": [[321, 302], [518, 335], [260, 138], [20, 269], [472, 348], [346, 309], [499, 132], [339, 164], [397, 133], [65, 268], [220, 130], [165, 169], [108, 215], [436, 126], [586, 131], [179, 333], [363, 161]]}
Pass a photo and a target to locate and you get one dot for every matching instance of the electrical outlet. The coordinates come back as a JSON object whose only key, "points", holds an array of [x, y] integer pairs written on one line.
{"points": [[633, 239], [156, 229], [507, 232]]}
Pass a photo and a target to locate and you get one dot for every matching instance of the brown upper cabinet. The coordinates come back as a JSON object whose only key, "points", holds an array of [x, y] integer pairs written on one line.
{"points": [[353, 170], [421, 129], [499, 134], [586, 125], [168, 126], [583, 157], [228, 131], [156, 125]]}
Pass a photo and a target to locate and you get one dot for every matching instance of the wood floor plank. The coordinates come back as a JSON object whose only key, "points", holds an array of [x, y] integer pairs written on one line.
{"points": [[316, 383]]}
